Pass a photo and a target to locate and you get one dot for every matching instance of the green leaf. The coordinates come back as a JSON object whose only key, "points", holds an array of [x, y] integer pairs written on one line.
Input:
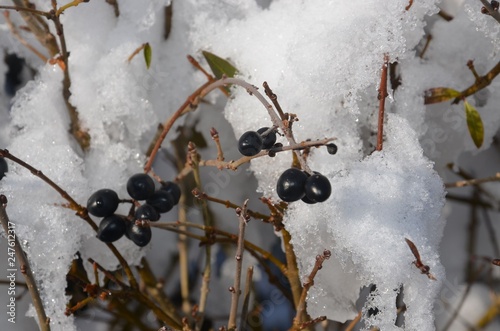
{"points": [[147, 54], [440, 94], [475, 124], [219, 66]]}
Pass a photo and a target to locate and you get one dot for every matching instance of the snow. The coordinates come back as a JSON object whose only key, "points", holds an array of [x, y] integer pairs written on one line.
{"points": [[323, 59]]}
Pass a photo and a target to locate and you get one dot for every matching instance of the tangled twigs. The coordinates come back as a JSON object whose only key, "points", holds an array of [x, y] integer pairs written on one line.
{"points": [[382, 94], [243, 218], [9, 229], [298, 321]]}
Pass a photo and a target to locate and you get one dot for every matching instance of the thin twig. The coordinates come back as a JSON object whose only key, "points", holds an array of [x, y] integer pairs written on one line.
{"points": [[409, 5], [353, 323], [292, 269], [73, 3], [193, 159], [135, 52], [246, 299], [23, 41], [235, 291], [475, 181], [480, 83], [10, 232], [215, 136], [382, 94], [492, 12], [309, 282]]}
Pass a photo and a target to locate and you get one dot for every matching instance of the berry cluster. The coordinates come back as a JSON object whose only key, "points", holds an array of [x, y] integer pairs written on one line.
{"points": [[3, 167], [252, 142], [295, 184], [140, 187]]}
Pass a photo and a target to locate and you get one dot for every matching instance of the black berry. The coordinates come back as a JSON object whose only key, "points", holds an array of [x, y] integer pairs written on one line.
{"points": [[269, 139], [250, 143], [173, 189], [318, 188], [290, 186], [111, 228], [147, 212], [140, 233], [140, 186], [162, 201], [307, 200], [103, 203], [3, 167], [331, 148]]}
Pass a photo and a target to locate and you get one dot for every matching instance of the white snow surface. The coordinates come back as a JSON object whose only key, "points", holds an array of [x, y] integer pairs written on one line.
{"points": [[323, 59]]}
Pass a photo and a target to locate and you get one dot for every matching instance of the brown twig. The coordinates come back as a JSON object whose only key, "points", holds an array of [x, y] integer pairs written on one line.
{"points": [[480, 83], [308, 283], [215, 136], [23, 41], [491, 11], [10, 232], [136, 51], [243, 218], [292, 272], [116, 8], [246, 298], [475, 181], [409, 5], [382, 94], [426, 46], [353, 323]]}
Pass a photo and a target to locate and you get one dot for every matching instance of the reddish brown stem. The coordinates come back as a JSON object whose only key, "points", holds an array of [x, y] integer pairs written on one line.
{"points": [[382, 94]]}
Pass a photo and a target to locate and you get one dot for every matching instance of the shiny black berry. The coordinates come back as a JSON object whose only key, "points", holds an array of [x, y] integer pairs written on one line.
{"points": [[307, 200], [269, 139], [250, 143], [318, 188], [3, 167], [162, 201], [140, 186], [290, 186], [140, 233], [103, 203], [111, 228], [331, 148], [173, 189], [147, 212]]}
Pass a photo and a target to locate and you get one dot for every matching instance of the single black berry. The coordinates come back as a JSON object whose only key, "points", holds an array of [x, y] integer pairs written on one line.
{"points": [[139, 233], [140, 186], [103, 203], [331, 148], [250, 143], [162, 201], [147, 212], [111, 228], [173, 189], [3, 167], [290, 186], [269, 139], [318, 188]]}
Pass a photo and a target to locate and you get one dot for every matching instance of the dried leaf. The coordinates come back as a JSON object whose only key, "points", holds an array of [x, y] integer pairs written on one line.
{"points": [[440, 94], [475, 124], [219, 66], [147, 54]]}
